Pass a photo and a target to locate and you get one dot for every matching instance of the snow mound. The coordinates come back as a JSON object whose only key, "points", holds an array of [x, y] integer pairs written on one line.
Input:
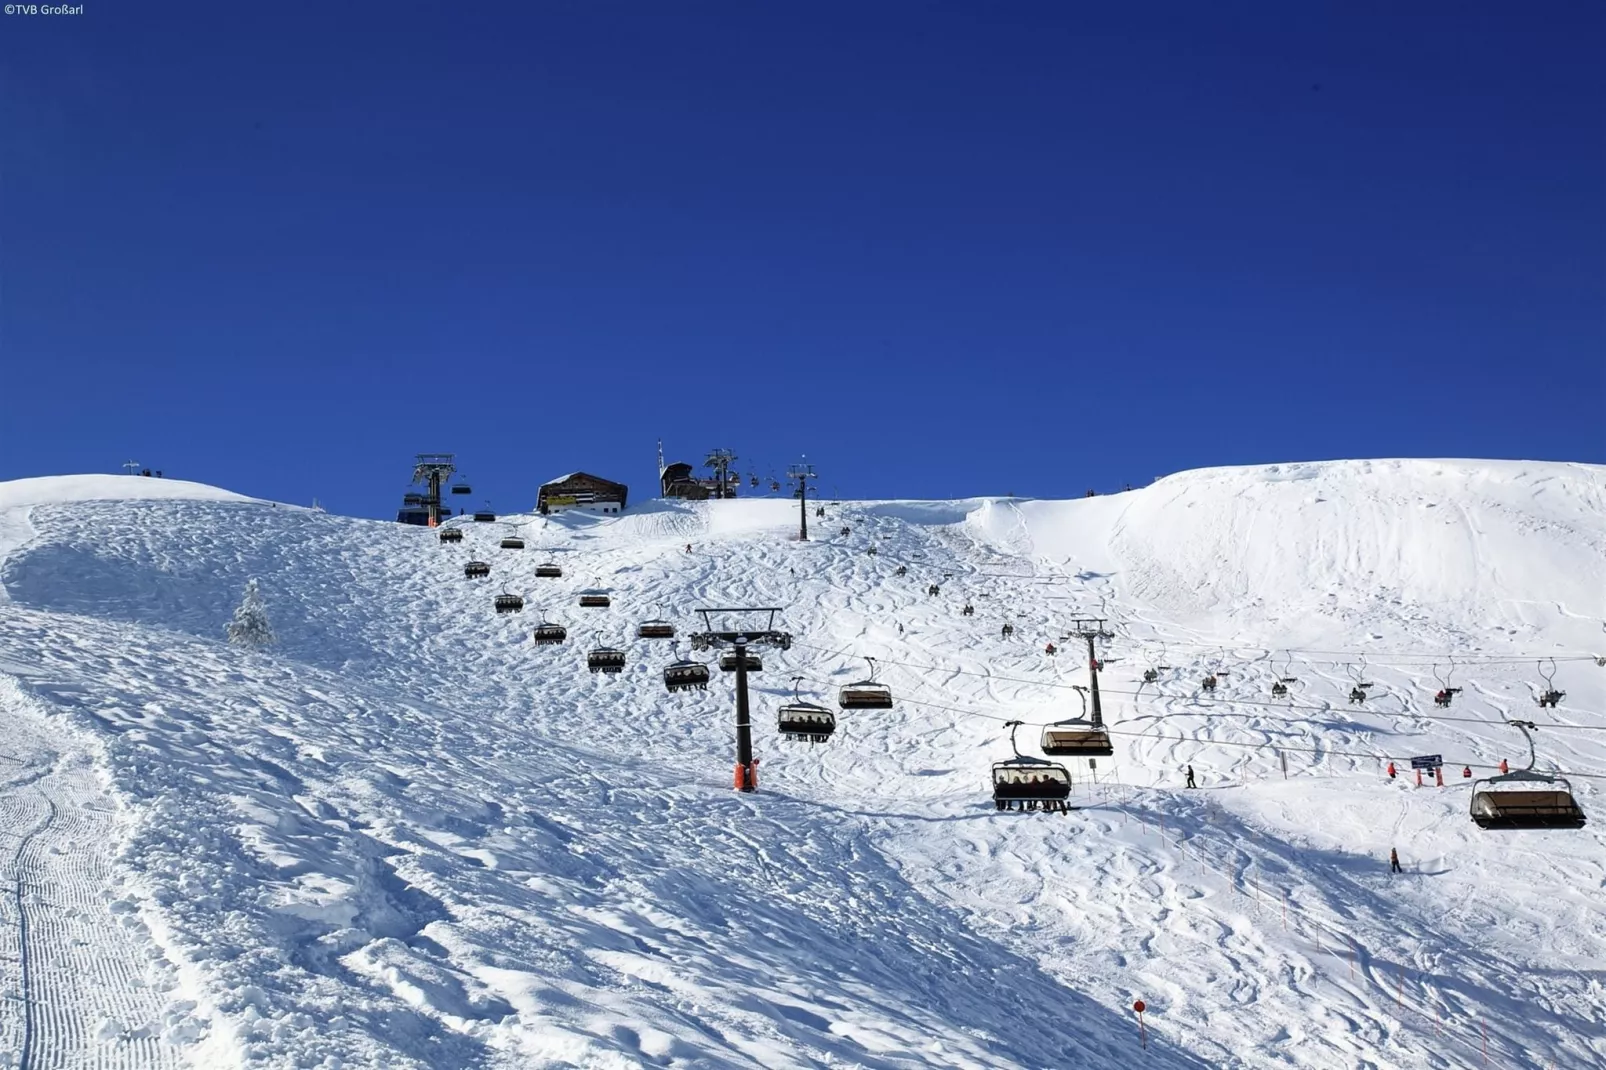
{"points": [[401, 835]]}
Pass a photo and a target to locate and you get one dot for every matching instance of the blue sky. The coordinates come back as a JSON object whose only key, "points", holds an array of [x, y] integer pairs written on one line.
{"points": [[942, 249]]}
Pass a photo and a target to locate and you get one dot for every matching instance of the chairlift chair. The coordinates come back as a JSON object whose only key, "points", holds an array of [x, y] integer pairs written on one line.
{"points": [[1027, 783], [512, 542], [1550, 697], [804, 721], [548, 571], [548, 633], [509, 603], [686, 675], [1525, 799], [606, 659], [1357, 693], [1209, 682], [595, 598], [1077, 736], [1443, 697], [476, 570], [865, 694], [933, 590], [901, 570], [462, 488], [968, 611], [657, 628], [484, 516], [451, 535], [730, 661]]}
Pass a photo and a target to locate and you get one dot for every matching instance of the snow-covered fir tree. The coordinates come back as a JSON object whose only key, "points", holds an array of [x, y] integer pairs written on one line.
{"points": [[250, 625]]}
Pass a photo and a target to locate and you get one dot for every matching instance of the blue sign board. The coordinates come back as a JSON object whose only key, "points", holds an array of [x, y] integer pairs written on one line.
{"points": [[1427, 761]]}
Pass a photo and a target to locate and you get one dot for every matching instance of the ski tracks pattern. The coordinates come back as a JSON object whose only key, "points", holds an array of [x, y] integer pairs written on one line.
{"points": [[74, 988]]}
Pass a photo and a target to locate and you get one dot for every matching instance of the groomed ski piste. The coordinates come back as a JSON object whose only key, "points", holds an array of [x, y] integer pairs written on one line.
{"points": [[403, 835]]}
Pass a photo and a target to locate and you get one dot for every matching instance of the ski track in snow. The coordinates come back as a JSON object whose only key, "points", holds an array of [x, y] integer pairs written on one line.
{"points": [[76, 985], [405, 836]]}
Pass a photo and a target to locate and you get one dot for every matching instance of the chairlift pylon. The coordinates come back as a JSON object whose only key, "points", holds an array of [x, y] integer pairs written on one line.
{"points": [[1515, 800], [805, 721], [1030, 783]]}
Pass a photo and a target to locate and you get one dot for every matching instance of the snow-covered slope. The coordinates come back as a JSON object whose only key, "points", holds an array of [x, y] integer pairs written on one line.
{"points": [[406, 836]]}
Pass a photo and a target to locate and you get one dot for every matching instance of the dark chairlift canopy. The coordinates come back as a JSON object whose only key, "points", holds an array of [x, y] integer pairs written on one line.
{"points": [[865, 694], [548, 571], [462, 488], [728, 662], [657, 628], [595, 599], [549, 634], [486, 517], [1030, 783], [686, 676], [606, 659], [451, 535], [509, 603], [1524, 799], [476, 570], [512, 542], [800, 720]]}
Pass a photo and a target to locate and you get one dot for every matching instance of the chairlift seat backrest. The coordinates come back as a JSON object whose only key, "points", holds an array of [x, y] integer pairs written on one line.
{"points": [[1077, 740], [485, 518], [595, 600], [476, 570], [512, 544], [865, 695], [606, 659], [728, 662], [685, 675], [1028, 779], [451, 535]]}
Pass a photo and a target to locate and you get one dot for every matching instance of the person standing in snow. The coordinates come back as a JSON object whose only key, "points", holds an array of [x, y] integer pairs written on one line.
{"points": [[1394, 861], [1191, 783]]}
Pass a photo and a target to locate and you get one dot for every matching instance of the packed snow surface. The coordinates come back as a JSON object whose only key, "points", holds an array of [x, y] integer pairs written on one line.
{"points": [[403, 835]]}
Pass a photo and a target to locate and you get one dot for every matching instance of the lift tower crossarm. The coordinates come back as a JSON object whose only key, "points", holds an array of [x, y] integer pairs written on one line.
{"points": [[763, 634], [1091, 628]]}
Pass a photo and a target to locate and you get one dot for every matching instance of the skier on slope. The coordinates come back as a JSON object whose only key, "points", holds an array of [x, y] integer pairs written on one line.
{"points": [[1394, 861], [1191, 782]]}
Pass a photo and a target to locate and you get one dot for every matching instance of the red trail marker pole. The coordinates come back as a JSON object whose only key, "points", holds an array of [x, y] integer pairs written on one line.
{"points": [[1143, 1033]]}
